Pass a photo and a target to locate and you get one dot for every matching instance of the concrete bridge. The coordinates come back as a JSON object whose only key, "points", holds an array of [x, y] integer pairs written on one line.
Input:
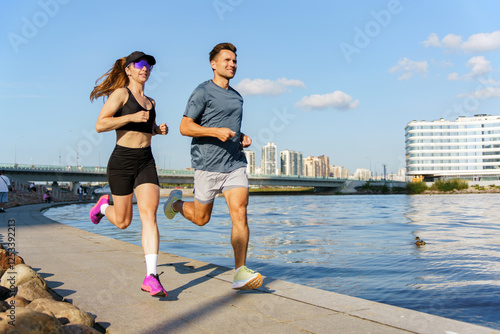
{"points": [[77, 175]]}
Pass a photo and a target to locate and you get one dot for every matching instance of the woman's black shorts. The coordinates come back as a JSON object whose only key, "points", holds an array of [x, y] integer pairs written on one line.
{"points": [[130, 167]]}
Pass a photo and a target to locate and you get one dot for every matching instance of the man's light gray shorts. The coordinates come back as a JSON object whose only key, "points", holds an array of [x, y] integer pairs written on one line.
{"points": [[4, 197], [208, 184]]}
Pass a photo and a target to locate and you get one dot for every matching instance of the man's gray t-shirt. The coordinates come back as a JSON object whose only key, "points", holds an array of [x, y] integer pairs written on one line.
{"points": [[213, 106]]}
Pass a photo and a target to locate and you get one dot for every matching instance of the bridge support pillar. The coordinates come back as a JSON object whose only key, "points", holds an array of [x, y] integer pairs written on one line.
{"points": [[74, 187]]}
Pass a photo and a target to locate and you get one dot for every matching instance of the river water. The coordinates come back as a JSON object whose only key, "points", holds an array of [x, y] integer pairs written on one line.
{"points": [[358, 245]]}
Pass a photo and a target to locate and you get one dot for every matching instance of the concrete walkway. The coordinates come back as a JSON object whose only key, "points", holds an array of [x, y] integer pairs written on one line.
{"points": [[102, 276]]}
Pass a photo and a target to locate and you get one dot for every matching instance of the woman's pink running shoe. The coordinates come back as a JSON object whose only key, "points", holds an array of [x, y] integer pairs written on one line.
{"points": [[95, 212], [152, 285]]}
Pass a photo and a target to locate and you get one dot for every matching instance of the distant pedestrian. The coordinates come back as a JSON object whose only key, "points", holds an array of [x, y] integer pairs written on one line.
{"points": [[213, 119], [131, 167], [47, 198], [80, 193], [32, 187], [5, 186]]}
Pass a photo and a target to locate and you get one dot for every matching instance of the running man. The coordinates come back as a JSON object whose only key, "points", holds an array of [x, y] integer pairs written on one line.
{"points": [[213, 119]]}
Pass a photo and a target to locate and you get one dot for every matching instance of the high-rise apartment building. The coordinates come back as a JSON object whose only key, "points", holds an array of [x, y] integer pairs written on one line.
{"points": [[269, 159], [316, 166], [250, 155], [467, 148], [286, 162], [291, 162], [339, 172], [324, 166], [310, 167]]}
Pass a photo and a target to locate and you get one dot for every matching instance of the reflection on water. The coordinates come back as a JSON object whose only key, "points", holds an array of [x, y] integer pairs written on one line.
{"points": [[361, 246]]}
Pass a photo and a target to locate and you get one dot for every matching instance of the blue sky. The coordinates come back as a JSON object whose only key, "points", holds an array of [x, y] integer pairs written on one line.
{"points": [[333, 78]]}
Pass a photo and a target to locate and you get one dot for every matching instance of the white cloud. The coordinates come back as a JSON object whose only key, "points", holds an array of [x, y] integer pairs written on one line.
{"points": [[432, 40], [452, 41], [291, 82], [453, 76], [266, 86], [445, 63], [483, 42], [488, 92], [409, 67], [335, 100], [475, 43], [484, 93], [489, 81], [479, 67]]}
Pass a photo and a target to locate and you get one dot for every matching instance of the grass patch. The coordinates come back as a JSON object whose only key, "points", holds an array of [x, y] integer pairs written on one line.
{"points": [[450, 185], [281, 189], [416, 187], [380, 189]]}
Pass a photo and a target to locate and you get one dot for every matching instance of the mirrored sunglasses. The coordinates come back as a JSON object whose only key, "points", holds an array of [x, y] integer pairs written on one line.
{"points": [[141, 63]]}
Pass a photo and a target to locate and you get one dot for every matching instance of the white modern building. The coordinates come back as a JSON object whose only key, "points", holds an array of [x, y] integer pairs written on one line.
{"points": [[269, 159], [291, 162], [250, 155], [399, 176], [362, 174], [467, 148]]}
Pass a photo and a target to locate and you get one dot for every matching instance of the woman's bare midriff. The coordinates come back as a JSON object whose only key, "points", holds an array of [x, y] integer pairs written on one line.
{"points": [[133, 139]]}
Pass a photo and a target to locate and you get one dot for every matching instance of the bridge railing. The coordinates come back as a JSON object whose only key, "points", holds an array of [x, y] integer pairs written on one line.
{"points": [[175, 172], [295, 177], [164, 172]]}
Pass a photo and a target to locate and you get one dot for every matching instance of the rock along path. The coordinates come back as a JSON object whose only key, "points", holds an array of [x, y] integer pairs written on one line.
{"points": [[102, 276]]}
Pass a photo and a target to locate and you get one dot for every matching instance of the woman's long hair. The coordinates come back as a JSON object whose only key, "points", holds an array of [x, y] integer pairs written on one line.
{"points": [[111, 80]]}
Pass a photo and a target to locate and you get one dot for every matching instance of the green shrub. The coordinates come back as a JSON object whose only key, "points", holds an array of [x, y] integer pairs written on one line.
{"points": [[416, 187], [449, 185], [366, 186]]}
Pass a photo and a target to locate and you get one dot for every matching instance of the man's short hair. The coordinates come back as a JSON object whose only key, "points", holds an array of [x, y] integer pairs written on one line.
{"points": [[221, 46]]}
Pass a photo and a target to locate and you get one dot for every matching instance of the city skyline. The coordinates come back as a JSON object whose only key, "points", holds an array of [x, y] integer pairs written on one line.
{"points": [[343, 82], [291, 163]]}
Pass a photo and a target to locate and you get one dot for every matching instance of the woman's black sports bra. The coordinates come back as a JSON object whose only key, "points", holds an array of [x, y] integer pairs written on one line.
{"points": [[131, 107]]}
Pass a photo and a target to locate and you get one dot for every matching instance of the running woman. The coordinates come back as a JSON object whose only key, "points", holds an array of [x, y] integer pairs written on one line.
{"points": [[213, 119], [131, 167]]}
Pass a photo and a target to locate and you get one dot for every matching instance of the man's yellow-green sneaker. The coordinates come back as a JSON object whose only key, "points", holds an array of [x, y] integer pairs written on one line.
{"points": [[175, 195], [245, 279]]}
